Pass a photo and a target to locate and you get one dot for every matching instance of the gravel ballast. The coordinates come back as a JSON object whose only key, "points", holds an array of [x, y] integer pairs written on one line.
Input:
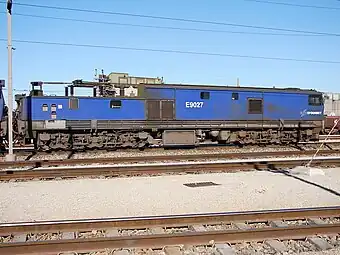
{"points": [[142, 196], [329, 252]]}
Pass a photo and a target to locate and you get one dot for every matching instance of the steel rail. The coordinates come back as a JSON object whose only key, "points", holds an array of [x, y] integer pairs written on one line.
{"points": [[158, 168], [330, 137], [160, 240], [168, 220], [226, 155]]}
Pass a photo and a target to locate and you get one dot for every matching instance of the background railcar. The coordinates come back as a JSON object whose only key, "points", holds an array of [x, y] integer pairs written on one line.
{"points": [[330, 122], [332, 112], [170, 114]]}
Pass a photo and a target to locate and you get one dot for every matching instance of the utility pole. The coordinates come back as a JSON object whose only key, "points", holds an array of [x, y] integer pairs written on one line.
{"points": [[10, 156]]}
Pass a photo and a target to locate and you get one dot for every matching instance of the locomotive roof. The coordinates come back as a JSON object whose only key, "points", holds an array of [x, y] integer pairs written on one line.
{"points": [[233, 88]]}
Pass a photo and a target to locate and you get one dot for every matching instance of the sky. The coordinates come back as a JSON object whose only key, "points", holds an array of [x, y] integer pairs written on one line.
{"points": [[33, 62]]}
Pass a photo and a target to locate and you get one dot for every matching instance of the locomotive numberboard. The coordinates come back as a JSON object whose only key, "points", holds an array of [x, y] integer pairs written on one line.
{"points": [[194, 104]]}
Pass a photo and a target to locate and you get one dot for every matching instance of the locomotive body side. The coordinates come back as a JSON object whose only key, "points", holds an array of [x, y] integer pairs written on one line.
{"points": [[236, 105], [246, 115], [85, 108]]}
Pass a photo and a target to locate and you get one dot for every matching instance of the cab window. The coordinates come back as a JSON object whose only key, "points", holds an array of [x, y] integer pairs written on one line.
{"points": [[315, 100]]}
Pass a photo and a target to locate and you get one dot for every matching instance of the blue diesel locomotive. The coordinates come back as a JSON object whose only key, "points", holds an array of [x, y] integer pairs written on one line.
{"points": [[167, 115]]}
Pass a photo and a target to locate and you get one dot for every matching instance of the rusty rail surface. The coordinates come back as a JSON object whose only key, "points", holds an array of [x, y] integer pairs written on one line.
{"points": [[330, 137], [168, 220], [163, 239], [162, 168], [226, 155]]}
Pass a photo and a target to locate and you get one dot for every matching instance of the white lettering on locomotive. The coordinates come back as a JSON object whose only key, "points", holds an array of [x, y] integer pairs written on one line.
{"points": [[194, 104], [306, 112]]}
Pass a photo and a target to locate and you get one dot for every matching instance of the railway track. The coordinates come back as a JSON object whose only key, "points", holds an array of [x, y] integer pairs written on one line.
{"points": [[218, 229], [159, 158], [330, 137], [124, 170]]}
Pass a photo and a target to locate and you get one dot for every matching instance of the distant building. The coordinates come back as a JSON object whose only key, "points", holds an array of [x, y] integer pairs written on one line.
{"points": [[119, 79], [332, 104], [124, 78]]}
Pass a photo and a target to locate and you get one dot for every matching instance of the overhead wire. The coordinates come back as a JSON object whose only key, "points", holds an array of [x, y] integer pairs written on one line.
{"points": [[173, 19], [165, 50], [295, 5], [175, 51], [158, 27]]}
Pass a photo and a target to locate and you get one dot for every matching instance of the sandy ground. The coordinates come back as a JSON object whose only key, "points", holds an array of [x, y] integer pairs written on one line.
{"points": [[142, 196]]}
